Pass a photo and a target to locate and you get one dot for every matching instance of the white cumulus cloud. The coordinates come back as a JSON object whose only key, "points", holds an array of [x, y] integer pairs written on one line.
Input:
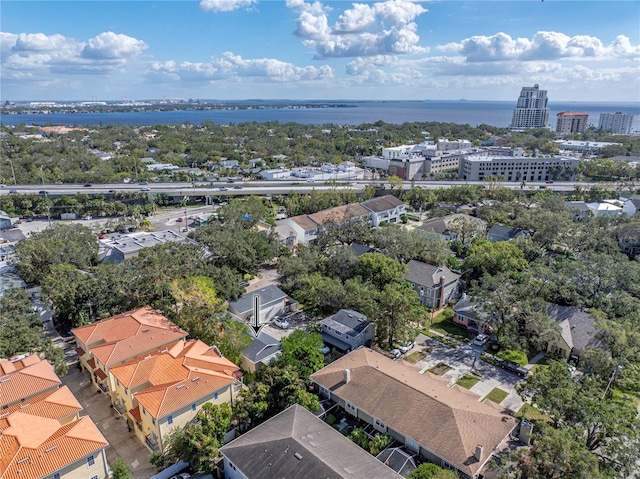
{"points": [[383, 28], [231, 66], [542, 46], [225, 5], [113, 46]]}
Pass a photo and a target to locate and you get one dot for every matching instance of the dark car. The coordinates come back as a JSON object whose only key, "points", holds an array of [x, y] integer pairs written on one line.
{"points": [[237, 187], [13, 192], [43, 192], [86, 185], [143, 183], [514, 368]]}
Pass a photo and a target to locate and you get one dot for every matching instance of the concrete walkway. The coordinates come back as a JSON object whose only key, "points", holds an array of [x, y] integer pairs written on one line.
{"points": [[535, 359]]}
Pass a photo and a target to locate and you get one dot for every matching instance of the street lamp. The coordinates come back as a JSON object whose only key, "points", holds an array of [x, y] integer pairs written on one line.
{"points": [[13, 172], [41, 175]]}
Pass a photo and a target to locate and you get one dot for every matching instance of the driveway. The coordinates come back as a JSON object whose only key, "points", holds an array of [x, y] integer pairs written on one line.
{"points": [[122, 443], [265, 277], [462, 361]]}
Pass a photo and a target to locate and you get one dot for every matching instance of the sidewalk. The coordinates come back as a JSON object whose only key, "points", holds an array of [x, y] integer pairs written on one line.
{"points": [[535, 359]]}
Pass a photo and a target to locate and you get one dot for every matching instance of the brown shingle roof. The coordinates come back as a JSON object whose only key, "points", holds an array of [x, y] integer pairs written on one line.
{"points": [[27, 381], [383, 203], [48, 446], [450, 422], [304, 222]]}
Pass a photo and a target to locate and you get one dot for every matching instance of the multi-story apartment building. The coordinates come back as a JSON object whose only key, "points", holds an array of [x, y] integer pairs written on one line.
{"points": [[571, 122], [166, 389], [531, 110], [120, 338], [618, 123], [478, 168], [41, 432]]}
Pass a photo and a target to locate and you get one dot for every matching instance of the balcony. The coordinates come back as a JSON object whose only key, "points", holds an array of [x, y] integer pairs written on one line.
{"points": [[151, 443], [120, 407], [104, 387]]}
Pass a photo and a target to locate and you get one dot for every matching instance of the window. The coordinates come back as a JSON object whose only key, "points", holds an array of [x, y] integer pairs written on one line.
{"points": [[215, 396], [193, 407], [56, 475], [91, 460], [153, 421], [95, 477], [170, 419]]}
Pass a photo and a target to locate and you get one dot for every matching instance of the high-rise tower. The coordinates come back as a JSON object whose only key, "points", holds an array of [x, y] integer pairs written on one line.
{"points": [[617, 123], [531, 110]]}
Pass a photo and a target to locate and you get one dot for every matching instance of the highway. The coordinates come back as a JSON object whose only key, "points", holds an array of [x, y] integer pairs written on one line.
{"points": [[258, 187]]}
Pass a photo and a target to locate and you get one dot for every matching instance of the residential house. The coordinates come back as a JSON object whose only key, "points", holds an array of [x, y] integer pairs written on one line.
{"points": [[261, 351], [347, 330], [458, 226], [295, 443], [360, 249], [386, 208], [120, 247], [24, 377], [117, 339], [504, 233], [579, 210], [166, 389], [628, 237], [272, 302], [631, 206], [41, 432], [578, 331], [436, 285], [445, 425], [467, 315]]}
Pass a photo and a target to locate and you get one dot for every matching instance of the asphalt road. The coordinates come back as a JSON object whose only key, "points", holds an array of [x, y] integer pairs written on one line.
{"points": [[258, 187]]}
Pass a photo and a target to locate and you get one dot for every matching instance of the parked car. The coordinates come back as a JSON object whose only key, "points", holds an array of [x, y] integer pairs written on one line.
{"points": [[406, 347], [282, 323], [143, 183], [480, 340], [514, 368], [395, 353]]}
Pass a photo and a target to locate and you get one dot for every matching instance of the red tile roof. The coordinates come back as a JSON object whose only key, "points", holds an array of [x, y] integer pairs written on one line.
{"points": [[135, 413], [56, 404], [27, 381], [33, 447], [128, 335]]}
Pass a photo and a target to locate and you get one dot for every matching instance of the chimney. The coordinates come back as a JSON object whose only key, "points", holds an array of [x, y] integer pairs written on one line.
{"points": [[526, 430], [442, 280], [347, 376], [478, 454]]}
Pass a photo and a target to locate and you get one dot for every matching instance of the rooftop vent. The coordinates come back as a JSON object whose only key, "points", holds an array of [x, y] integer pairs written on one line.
{"points": [[297, 456], [51, 448], [24, 459], [22, 406], [179, 386], [195, 379], [145, 330], [4, 379]]}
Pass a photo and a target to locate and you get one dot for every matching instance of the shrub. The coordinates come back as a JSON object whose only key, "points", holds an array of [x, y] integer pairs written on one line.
{"points": [[331, 419]]}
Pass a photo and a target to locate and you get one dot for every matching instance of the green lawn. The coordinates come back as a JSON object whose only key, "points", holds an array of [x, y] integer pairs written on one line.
{"points": [[515, 356], [416, 356], [496, 395], [530, 413], [467, 381], [443, 324]]}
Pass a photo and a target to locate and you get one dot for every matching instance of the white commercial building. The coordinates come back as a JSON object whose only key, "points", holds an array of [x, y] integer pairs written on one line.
{"points": [[531, 110], [478, 168], [617, 123]]}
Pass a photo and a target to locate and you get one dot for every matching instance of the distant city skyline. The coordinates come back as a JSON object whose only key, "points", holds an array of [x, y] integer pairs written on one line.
{"points": [[300, 50]]}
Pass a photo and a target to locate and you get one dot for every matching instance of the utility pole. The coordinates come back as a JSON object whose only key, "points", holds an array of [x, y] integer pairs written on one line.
{"points": [[41, 175]]}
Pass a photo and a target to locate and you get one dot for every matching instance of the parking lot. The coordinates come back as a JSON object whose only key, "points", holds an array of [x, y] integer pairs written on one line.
{"points": [[122, 443], [462, 361]]}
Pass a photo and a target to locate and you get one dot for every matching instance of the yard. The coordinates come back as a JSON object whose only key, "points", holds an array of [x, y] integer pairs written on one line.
{"points": [[443, 324], [440, 368], [496, 395], [467, 381], [531, 413], [416, 356]]}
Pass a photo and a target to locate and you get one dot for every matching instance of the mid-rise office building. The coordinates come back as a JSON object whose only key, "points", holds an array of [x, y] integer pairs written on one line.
{"points": [[571, 122], [531, 110], [618, 123], [479, 168]]}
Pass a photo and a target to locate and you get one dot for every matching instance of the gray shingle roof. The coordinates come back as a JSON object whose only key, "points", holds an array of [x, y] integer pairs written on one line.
{"points": [[347, 321], [506, 232], [578, 327], [384, 203], [261, 348], [428, 275], [296, 444], [267, 295]]}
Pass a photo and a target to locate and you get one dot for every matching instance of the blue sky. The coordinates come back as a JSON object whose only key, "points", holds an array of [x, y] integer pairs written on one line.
{"points": [[298, 49]]}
